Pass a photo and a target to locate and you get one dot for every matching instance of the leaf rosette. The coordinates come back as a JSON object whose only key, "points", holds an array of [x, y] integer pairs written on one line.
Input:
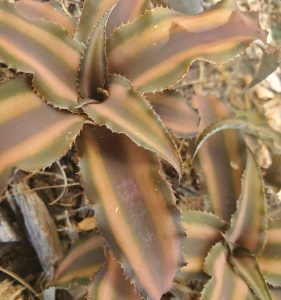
{"points": [[105, 85]]}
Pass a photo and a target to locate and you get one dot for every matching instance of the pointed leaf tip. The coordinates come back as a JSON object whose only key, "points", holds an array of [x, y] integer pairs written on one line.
{"points": [[111, 283], [249, 222]]}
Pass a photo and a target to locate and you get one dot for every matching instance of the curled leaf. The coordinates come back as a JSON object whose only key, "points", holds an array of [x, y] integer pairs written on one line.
{"points": [[92, 12], [220, 157], [93, 73]]}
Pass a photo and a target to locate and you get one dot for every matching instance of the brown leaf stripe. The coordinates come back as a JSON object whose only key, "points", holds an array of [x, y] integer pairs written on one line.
{"points": [[50, 11], [245, 265], [156, 50], [203, 231], [175, 112], [127, 111], [92, 12], [270, 259], [33, 134], [225, 284], [93, 73], [220, 158], [111, 284], [42, 48], [125, 11], [134, 208], [249, 222], [82, 262]]}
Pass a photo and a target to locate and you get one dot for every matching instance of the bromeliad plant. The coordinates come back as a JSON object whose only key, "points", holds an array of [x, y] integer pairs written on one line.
{"points": [[243, 255], [237, 246], [104, 86]]}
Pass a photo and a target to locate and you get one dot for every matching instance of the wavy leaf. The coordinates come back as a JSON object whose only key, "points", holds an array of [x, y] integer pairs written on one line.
{"points": [[156, 50], [270, 259], [224, 284], [203, 231], [250, 123], [124, 182], [125, 11], [185, 6], [175, 112], [111, 284], [127, 111], [35, 134], [82, 262], [41, 48], [249, 222], [270, 61], [93, 73], [50, 11], [245, 265], [221, 158]]}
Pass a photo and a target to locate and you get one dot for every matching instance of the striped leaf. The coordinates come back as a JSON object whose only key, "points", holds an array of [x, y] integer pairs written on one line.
{"points": [[127, 111], [93, 10], [134, 208], [175, 112], [270, 61], [203, 231], [270, 259], [245, 265], [249, 222], [125, 11], [111, 284], [93, 73], [156, 50], [185, 6], [224, 284], [82, 262], [44, 49], [35, 134], [220, 158], [250, 123], [50, 11]]}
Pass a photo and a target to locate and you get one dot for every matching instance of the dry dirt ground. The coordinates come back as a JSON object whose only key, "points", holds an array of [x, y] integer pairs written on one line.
{"points": [[26, 264]]}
